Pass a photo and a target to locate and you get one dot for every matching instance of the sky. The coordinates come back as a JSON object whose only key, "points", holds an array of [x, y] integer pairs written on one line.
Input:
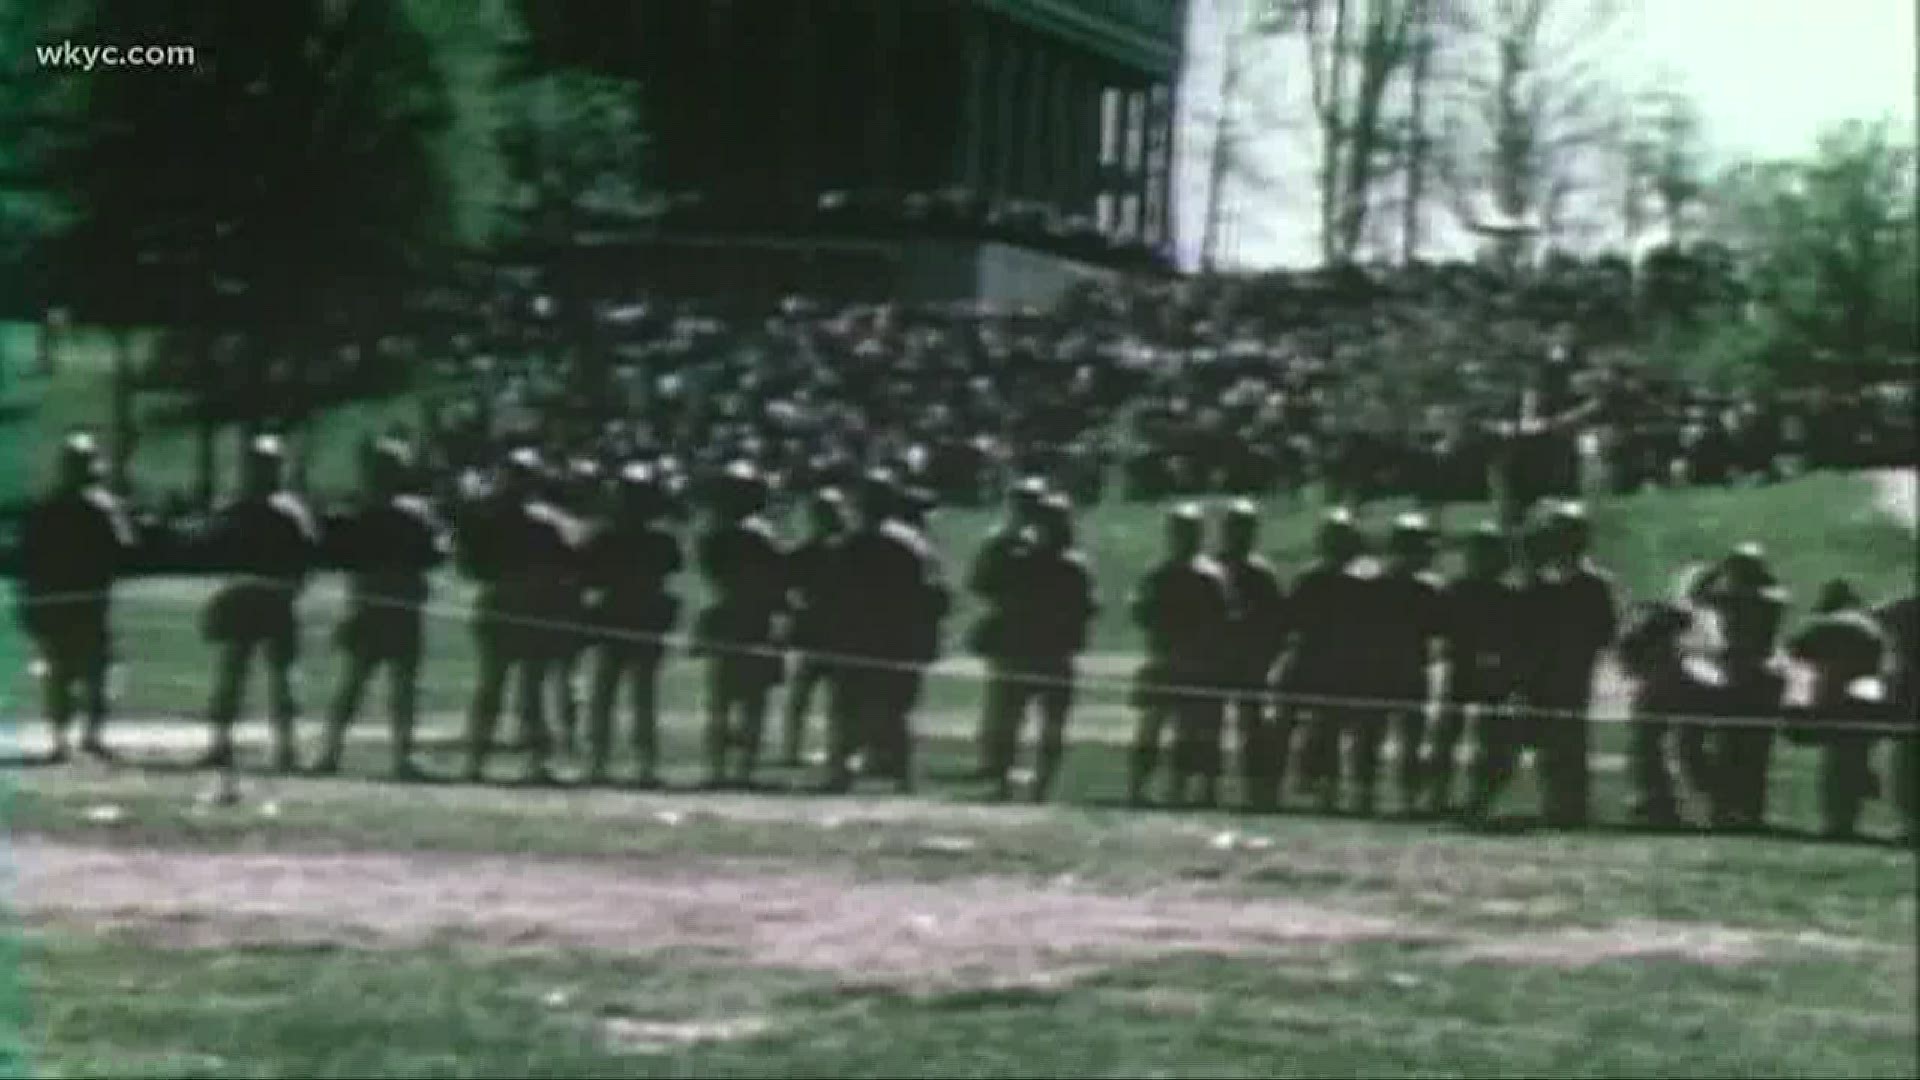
{"points": [[1767, 76]]}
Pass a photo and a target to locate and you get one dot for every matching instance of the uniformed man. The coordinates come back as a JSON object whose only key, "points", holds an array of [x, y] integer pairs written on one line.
{"points": [[1325, 672], [1407, 621], [519, 549], [889, 752], [1183, 609], [581, 495], [886, 590], [268, 541], [1049, 606], [1842, 710], [1900, 620], [1652, 654], [746, 574], [1480, 607], [1253, 646], [389, 546], [1570, 617], [629, 564], [74, 544], [809, 566], [987, 580], [1748, 604]]}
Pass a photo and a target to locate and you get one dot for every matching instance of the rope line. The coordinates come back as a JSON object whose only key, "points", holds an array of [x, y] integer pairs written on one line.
{"points": [[592, 634]]}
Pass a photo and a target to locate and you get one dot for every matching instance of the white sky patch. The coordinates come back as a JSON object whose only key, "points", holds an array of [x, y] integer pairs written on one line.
{"points": [[1768, 76]]}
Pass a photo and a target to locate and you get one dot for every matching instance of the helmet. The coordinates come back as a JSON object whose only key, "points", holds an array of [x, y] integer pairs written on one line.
{"points": [[1339, 539], [1412, 531], [80, 458]]}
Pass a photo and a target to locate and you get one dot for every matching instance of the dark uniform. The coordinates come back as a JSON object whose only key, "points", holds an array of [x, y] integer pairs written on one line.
{"points": [[746, 573], [1480, 608], [1842, 649], [1253, 645], [521, 552], [73, 546], [1325, 672], [989, 580], [1745, 600], [1901, 622], [628, 565], [809, 570], [890, 748], [388, 547], [1047, 608], [581, 498], [886, 592], [1569, 617], [1664, 689], [1184, 609], [269, 542], [1407, 619]]}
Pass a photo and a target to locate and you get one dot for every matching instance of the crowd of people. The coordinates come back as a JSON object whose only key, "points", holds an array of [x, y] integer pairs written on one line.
{"points": [[1424, 383], [577, 568]]}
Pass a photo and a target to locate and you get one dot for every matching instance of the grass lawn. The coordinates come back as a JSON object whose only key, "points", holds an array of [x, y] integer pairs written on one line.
{"points": [[358, 928]]}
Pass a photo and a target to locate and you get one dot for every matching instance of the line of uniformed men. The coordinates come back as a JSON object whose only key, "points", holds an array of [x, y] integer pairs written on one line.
{"points": [[1316, 676]]}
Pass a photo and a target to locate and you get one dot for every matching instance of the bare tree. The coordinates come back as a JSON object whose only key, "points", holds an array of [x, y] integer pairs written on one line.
{"points": [[1533, 108], [1247, 109], [1357, 51]]}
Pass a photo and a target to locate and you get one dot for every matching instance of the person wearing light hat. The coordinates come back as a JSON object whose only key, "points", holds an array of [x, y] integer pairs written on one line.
{"points": [[1845, 653], [269, 542], [1259, 628], [1050, 606], [1328, 653], [1900, 619], [1663, 685], [1570, 618], [740, 557], [988, 580], [390, 545], [1407, 622], [1481, 611], [809, 569], [886, 589], [74, 544], [581, 495], [1748, 606], [628, 565], [1183, 608], [518, 549]]}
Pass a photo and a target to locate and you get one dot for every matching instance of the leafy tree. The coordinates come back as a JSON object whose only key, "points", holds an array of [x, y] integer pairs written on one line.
{"points": [[1829, 244], [315, 154]]}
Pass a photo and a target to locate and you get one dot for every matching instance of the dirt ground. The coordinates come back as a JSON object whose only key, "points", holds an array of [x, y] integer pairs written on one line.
{"points": [[980, 931]]}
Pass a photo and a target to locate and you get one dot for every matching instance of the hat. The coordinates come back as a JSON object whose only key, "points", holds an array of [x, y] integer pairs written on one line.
{"points": [[80, 444], [1570, 512], [638, 474], [1413, 523], [267, 446], [524, 459], [1243, 510], [1186, 512], [1031, 487]]}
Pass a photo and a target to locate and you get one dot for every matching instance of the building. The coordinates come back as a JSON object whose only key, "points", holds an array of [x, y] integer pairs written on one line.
{"points": [[926, 149]]}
